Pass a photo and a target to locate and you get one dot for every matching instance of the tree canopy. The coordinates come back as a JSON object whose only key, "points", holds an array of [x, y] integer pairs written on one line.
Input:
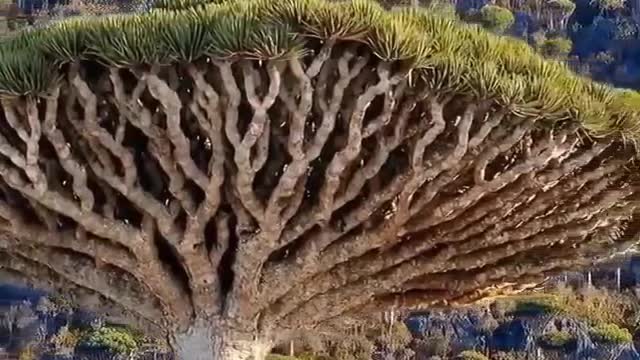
{"points": [[266, 30]]}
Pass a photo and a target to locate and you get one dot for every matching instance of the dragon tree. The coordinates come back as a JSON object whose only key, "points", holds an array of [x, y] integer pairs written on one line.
{"points": [[226, 172]]}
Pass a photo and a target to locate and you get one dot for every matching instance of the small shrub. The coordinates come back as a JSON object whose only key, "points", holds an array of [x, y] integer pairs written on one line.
{"points": [[311, 356], [398, 337], [557, 339], [610, 334], [495, 18], [353, 349], [280, 357], [471, 355], [27, 353], [437, 345], [116, 340], [66, 339], [556, 48], [538, 305], [538, 38], [60, 303]]}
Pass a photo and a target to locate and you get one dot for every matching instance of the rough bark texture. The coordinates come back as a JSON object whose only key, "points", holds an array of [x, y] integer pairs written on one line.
{"points": [[202, 341], [223, 202]]}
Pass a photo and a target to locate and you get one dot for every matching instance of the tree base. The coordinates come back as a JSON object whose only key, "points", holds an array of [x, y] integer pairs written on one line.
{"points": [[205, 343]]}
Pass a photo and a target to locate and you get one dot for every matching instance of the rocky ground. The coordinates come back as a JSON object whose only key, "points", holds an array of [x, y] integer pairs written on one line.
{"points": [[517, 337]]}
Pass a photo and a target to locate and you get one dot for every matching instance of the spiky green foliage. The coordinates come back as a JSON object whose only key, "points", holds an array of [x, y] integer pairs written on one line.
{"points": [[451, 57]]}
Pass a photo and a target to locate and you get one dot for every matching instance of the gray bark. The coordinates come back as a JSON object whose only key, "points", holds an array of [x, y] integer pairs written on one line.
{"points": [[206, 342]]}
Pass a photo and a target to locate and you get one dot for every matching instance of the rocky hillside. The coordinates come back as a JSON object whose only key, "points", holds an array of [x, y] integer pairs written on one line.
{"points": [[35, 326], [588, 315], [594, 314], [441, 335]]}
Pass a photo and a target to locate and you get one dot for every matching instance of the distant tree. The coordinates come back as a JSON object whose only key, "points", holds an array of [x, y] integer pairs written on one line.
{"points": [[486, 325], [557, 12], [608, 5], [550, 15], [226, 174], [625, 29]]}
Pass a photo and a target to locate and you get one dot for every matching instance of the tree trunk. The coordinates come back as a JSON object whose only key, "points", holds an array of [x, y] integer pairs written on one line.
{"points": [[205, 343]]}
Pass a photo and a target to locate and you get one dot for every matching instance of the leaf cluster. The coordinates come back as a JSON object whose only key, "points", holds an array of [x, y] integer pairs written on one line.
{"points": [[442, 53], [610, 334], [557, 339], [116, 339]]}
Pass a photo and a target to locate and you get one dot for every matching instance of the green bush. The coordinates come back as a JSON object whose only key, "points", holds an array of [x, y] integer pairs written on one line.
{"points": [[566, 6], [556, 48], [116, 339], [594, 306], [496, 18], [471, 355], [443, 9], [538, 305], [557, 339], [610, 333]]}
